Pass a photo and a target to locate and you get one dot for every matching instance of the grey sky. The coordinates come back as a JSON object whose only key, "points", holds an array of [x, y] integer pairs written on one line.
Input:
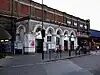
{"points": [[86, 9]]}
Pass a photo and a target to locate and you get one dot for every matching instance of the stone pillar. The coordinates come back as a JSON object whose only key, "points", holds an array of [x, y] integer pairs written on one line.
{"points": [[45, 43], [69, 41], [75, 44], [62, 42], [54, 40]]}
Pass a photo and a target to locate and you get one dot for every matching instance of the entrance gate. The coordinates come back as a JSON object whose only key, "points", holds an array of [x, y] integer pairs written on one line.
{"points": [[38, 45], [65, 45]]}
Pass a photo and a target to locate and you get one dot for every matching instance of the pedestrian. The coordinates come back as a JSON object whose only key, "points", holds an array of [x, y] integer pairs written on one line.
{"points": [[60, 50]]}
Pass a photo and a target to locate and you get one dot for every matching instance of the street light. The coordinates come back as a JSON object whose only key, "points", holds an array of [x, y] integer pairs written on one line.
{"points": [[43, 33]]}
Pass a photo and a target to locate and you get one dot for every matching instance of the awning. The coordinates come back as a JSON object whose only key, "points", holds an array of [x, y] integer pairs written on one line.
{"points": [[4, 34], [95, 33]]}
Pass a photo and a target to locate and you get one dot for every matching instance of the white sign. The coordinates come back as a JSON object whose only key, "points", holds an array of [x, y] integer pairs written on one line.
{"points": [[19, 45], [51, 46]]}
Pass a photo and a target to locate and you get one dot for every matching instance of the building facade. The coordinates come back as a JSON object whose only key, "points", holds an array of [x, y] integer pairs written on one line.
{"points": [[60, 28]]}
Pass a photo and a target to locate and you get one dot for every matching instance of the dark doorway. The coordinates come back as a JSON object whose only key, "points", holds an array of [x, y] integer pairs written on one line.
{"points": [[72, 45], [65, 45], [39, 45]]}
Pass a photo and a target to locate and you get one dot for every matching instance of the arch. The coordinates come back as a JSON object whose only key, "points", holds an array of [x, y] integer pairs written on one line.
{"points": [[59, 29], [66, 31], [53, 30], [37, 26], [73, 33], [18, 28]]}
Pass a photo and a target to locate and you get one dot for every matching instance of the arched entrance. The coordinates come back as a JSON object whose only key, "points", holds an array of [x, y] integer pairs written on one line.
{"points": [[66, 38], [50, 32], [72, 40], [38, 39], [20, 34], [50, 42], [58, 37]]}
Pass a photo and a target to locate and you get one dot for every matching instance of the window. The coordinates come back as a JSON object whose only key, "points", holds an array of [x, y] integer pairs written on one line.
{"points": [[85, 27], [38, 29], [69, 22], [75, 24], [58, 33], [81, 25], [48, 38], [50, 31]]}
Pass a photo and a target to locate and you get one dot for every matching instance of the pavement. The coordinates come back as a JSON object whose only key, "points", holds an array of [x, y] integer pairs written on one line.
{"points": [[33, 65], [95, 52], [22, 65], [53, 56], [90, 63], [63, 67]]}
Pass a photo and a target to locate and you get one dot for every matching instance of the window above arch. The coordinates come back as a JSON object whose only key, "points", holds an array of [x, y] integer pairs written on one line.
{"points": [[38, 29], [58, 32], [66, 34], [50, 31]]}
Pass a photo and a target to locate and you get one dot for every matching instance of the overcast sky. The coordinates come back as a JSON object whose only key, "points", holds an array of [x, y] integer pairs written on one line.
{"points": [[86, 9]]}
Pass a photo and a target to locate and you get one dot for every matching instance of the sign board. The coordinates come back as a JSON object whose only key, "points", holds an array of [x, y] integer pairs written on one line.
{"points": [[51, 46], [18, 45]]}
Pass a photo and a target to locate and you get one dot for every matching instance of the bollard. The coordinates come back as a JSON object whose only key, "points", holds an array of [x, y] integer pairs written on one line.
{"points": [[60, 53], [69, 52], [75, 52], [49, 54]]}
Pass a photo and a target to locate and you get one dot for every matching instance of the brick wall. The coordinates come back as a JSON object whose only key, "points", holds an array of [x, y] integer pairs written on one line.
{"points": [[5, 7], [49, 15], [5, 4], [59, 18], [24, 10], [21, 9], [38, 13]]}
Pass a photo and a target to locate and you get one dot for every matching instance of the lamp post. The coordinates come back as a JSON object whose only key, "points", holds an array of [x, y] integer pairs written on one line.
{"points": [[42, 31], [70, 46], [13, 27]]}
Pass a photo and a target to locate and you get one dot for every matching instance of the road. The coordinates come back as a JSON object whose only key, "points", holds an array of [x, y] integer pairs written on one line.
{"points": [[33, 65], [22, 65], [90, 63]]}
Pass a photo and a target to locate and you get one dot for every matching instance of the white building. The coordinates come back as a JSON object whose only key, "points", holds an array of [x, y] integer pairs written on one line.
{"points": [[29, 32]]}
